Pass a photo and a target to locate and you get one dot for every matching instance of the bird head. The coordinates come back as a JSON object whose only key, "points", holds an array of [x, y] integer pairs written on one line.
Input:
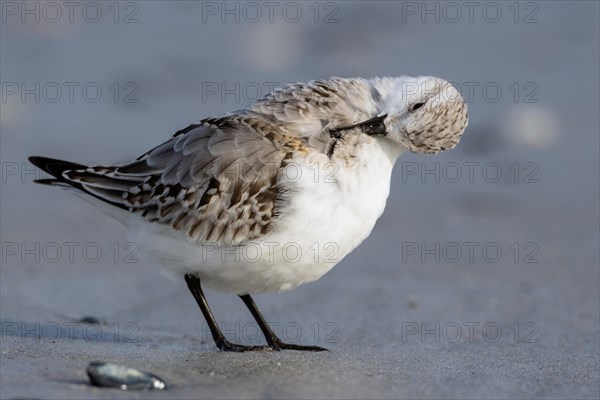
{"points": [[424, 114]]}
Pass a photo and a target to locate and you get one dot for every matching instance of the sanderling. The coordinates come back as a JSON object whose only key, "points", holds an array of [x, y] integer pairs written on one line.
{"points": [[272, 196]]}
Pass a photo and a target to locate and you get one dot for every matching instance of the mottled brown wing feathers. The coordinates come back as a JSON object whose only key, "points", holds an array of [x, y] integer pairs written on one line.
{"points": [[216, 182]]}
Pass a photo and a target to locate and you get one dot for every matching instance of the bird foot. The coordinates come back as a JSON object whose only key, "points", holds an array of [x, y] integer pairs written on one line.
{"points": [[277, 346], [240, 348]]}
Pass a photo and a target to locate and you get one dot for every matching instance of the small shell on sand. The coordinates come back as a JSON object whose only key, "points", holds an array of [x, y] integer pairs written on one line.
{"points": [[117, 376]]}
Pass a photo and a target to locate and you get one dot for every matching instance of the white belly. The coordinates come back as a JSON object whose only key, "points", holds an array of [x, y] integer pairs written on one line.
{"points": [[332, 209]]}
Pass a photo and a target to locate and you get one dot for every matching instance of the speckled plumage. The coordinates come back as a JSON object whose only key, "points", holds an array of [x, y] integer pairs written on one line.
{"points": [[223, 180]]}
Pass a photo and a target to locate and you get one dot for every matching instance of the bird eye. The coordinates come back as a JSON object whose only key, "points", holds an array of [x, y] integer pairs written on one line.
{"points": [[416, 106]]}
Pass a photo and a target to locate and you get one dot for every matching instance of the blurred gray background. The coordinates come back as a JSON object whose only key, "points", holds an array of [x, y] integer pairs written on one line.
{"points": [[481, 280]]}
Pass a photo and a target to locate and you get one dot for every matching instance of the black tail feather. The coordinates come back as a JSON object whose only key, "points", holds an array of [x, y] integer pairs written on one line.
{"points": [[54, 167], [48, 182]]}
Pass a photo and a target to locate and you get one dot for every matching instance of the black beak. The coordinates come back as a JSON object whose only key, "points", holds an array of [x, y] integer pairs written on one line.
{"points": [[373, 126]]}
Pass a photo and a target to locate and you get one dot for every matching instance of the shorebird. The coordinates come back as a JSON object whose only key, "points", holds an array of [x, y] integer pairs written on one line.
{"points": [[272, 196]]}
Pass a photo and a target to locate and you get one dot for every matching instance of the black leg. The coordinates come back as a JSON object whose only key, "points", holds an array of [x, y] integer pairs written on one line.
{"points": [[272, 339], [193, 283]]}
